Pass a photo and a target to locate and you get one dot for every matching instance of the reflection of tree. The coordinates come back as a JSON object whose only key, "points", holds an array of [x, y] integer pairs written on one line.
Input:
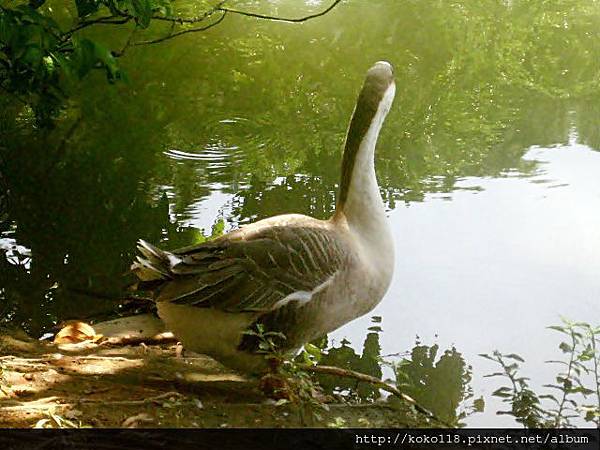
{"points": [[344, 356], [303, 194], [79, 218], [466, 105], [586, 122], [439, 384]]}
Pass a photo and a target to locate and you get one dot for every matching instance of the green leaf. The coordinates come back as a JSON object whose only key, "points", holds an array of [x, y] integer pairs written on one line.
{"points": [[104, 55], [479, 404], [486, 356], [495, 374], [583, 390], [558, 328], [306, 358], [504, 392], [554, 386], [514, 356], [65, 65], [566, 348], [142, 10], [587, 354], [313, 350], [218, 228], [550, 397], [84, 56]]}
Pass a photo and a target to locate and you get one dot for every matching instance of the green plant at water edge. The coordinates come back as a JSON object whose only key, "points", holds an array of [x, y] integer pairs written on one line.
{"points": [[267, 342], [287, 381], [525, 403], [577, 387]]}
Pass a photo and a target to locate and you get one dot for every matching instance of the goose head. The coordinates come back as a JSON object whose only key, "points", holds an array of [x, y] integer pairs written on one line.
{"points": [[359, 197]]}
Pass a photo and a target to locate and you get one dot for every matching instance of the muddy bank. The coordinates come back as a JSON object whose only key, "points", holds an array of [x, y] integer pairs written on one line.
{"points": [[109, 384]]}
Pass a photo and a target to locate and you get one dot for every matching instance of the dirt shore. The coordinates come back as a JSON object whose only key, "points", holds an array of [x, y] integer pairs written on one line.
{"points": [[104, 384]]}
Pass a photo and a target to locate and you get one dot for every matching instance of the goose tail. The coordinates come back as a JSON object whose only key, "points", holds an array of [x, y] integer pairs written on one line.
{"points": [[153, 264]]}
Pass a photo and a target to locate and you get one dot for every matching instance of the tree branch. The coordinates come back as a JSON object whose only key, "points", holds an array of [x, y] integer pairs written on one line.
{"points": [[106, 20], [121, 17], [172, 35], [280, 19]]}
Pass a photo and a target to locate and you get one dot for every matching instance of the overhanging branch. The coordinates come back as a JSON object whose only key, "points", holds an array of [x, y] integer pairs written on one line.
{"points": [[281, 19], [122, 17], [172, 35]]}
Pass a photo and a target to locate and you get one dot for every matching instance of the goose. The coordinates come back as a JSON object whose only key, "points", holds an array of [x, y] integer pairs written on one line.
{"points": [[291, 274]]}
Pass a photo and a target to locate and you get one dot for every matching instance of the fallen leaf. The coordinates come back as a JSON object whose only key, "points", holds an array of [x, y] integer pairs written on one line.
{"points": [[75, 332]]}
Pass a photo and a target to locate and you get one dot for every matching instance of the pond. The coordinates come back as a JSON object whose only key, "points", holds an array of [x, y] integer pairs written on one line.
{"points": [[488, 164]]}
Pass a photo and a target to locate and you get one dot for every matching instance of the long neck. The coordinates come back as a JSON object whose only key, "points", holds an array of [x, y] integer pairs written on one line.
{"points": [[359, 199]]}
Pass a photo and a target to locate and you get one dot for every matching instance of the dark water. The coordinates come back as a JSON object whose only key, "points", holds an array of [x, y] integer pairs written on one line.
{"points": [[488, 163]]}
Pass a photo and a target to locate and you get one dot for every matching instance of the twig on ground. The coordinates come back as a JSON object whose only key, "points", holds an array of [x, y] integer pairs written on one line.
{"points": [[145, 401]]}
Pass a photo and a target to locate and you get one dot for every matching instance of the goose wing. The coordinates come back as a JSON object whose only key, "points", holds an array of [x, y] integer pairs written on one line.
{"points": [[258, 270]]}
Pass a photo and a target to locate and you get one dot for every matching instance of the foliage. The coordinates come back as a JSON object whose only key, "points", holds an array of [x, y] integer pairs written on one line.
{"points": [[287, 381], [39, 62], [578, 378], [525, 403], [268, 341]]}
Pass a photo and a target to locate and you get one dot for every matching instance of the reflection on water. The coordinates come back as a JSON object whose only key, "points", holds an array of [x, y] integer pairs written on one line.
{"points": [[439, 383], [488, 163], [490, 270]]}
